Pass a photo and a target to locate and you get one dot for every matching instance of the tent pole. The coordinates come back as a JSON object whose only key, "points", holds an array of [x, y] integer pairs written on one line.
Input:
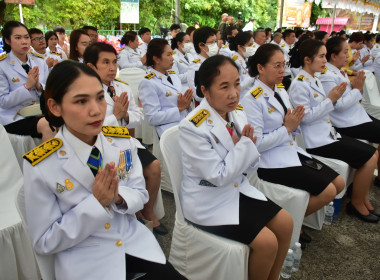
{"points": [[281, 12], [333, 19]]}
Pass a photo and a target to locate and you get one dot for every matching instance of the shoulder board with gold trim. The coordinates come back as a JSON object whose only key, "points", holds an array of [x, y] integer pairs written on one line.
{"points": [[3, 56], [225, 46], [256, 92], [281, 85], [122, 49], [283, 45], [324, 70], [121, 81], [150, 76], [301, 78], [56, 53], [36, 54], [196, 60], [42, 151], [173, 53], [115, 131], [171, 72], [235, 57], [199, 117], [239, 107], [140, 43]]}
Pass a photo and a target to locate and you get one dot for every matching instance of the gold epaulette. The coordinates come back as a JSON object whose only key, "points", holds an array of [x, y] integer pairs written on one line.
{"points": [[140, 43], [283, 45], [234, 57], [122, 49], [150, 76], [199, 117], [239, 107], [324, 70], [36, 54], [301, 78], [3, 56], [225, 46], [56, 53], [256, 92], [42, 151], [171, 72], [196, 60], [173, 53], [115, 131], [121, 81], [280, 85]]}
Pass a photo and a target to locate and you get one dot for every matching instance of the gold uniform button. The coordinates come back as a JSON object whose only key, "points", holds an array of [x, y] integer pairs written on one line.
{"points": [[210, 121], [291, 144], [328, 121], [107, 226], [109, 139], [62, 152], [119, 243], [236, 185]]}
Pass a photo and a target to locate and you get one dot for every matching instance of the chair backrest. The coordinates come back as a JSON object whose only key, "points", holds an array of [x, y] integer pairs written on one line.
{"points": [[45, 262], [172, 154], [370, 89], [133, 77]]}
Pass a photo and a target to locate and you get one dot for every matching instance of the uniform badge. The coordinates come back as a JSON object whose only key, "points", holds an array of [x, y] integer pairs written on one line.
{"points": [[315, 95], [271, 109], [15, 80], [216, 140], [169, 94], [235, 57], [60, 188], [69, 184], [125, 164]]}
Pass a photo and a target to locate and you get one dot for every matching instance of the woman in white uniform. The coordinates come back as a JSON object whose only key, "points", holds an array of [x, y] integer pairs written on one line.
{"points": [[129, 57], [83, 188], [22, 79], [320, 136], [79, 40], [269, 111], [218, 147], [161, 91], [181, 47], [349, 116], [51, 50]]}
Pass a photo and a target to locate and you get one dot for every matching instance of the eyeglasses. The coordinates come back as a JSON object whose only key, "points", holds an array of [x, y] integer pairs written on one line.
{"points": [[279, 66], [210, 43], [37, 39]]}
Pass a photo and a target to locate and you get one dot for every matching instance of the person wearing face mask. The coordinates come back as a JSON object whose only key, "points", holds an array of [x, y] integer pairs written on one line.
{"points": [[181, 47], [205, 45], [128, 56], [242, 49]]}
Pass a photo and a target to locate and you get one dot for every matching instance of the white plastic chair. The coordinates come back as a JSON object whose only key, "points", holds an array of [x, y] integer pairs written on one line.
{"points": [[371, 95], [17, 258], [197, 254], [22, 144], [166, 185]]}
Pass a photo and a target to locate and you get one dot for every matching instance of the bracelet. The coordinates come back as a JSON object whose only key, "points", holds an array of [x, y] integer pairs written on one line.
{"points": [[26, 87]]}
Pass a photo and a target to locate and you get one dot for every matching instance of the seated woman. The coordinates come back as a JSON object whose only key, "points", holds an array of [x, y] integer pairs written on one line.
{"points": [[320, 136], [349, 116], [353, 62], [129, 57], [52, 41], [218, 147], [83, 188], [123, 111], [282, 161], [79, 40], [181, 47], [160, 92], [22, 78]]}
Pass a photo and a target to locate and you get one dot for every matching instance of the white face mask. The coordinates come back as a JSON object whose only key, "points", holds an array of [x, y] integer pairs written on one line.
{"points": [[187, 47], [212, 50], [249, 51]]}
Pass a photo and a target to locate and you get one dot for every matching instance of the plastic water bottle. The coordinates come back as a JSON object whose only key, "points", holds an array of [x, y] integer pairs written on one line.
{"points": [[329, 214], [297, 253], [286, 270]]}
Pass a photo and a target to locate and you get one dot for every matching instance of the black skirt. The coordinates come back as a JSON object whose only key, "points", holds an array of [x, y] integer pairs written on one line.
{"points": [[354, 152], [300, 177], [145, 157], [254, 215], [369, 131], [26, 127]]}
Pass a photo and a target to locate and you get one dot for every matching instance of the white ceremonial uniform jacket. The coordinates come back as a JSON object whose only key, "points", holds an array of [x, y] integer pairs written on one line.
{"points": [[265, 113], [375, 50], [160, 100], [142, 48], [13, 94], [347, 111], [376, 66], [213, 167], [181, 65], [285, 49], [368, 65], [241, 62], [129, 58], [315, 125], [225, 50], [64, 217], [357, 66], [194, 67], [59, 54]]}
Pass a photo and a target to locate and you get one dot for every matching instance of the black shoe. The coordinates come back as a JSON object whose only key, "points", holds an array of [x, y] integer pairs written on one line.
{"points": [[303, 245], [304, 237], [161, 230], [374, 212], [349, 190], [376, 182], [369, 218]]}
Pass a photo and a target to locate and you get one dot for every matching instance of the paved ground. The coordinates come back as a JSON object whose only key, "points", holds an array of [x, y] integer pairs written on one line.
{"points": [[346, 250]]}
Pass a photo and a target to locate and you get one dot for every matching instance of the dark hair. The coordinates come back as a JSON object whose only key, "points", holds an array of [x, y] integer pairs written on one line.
{"points": [[174, 27], [319, 35], [267, 30], [179, 38], [309, 48], [128, 37], [299, 32], [48, 35], [91, 53], [334, 45], [368, 37], [295, 60], [262, 57], [58, 83], [230, 29], [333, 33], [155, 48], [257, 31], [287, 32], [32, 31], [88, 27], [377, 38], [342, 32], [356, 37], [201, 35], [190, 29], [240, 39], [59, 29], [143, 30], [209, 70], [7, 32], [74, 39]]}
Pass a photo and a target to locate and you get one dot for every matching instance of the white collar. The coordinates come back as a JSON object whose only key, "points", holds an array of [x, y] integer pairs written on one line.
{"points": [[19, 61], [266, 89], [219, 117], [332, 68]]}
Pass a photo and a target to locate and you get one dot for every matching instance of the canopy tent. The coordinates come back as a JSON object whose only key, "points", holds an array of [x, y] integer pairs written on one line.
{"points": [[325, 24]]}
